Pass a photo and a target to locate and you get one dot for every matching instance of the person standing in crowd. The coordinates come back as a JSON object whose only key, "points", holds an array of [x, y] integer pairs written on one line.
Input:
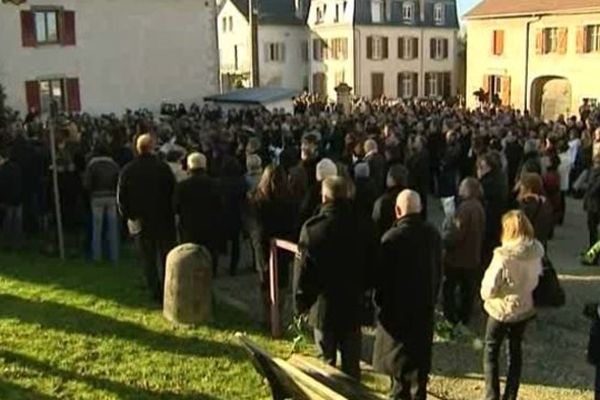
{"points": [[507, 291], [145, 198], [303, 176], [198, 204], [407, 288], [311, 200], [271, 215], [419, 170], [448, 175], [384, 213], [336, 250], [11, 201], [366, 193], [254, 171], [463, 240], [376, 163], [495, 193], [100, 180], [564, 170]]}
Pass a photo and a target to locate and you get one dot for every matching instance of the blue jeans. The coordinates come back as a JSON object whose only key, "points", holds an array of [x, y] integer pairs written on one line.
{"points": [[105, 209], [12, 226]]}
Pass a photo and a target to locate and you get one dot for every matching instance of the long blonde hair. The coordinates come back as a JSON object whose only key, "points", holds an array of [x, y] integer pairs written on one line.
{"points": [[516, 226]]}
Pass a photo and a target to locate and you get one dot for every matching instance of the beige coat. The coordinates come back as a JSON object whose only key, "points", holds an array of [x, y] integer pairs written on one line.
{"points": [[509, 282]]}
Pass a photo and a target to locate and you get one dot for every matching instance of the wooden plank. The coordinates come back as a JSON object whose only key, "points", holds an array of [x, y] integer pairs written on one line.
{"points": [[306, 381], [334, 378]]}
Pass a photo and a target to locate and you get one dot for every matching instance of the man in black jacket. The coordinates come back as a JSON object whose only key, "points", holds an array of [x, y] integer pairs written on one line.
{"points": [[145, 197], [384, 213], [336, 247], [198, 205], [11, 201], [406, 291]]}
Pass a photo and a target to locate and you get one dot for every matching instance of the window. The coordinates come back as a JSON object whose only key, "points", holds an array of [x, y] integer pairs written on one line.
{"points": [[432, 84], [345, 5], [319, 83], [304, 50], [439, 48], [46, 26], [319, 49], [230, 24], [498, 42], [378, 11], [498, 88], [52, 90], [235, 57], [408, 48], [551, 39], [407, 84], [337, 13], [593, 38], [41, 93], [340, 77], [438, 13], [438, 84], [377, 47], [377, 85], [275, 52], [224, 24], [320, 15], [339, 49], [408, 11]]}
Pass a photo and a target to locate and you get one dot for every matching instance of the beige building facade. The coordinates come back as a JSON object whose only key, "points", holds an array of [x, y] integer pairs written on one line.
{"points": [[541, 60]]}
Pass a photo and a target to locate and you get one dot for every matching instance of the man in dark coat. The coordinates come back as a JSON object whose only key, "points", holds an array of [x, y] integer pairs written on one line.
{"points": [[376, 163], [495, 194], [145, 198], [336, 248], [407, 286], [384, 213], [199, 207], [11, 201]]}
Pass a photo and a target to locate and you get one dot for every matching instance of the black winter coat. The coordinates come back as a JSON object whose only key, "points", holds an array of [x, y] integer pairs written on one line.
{"points": [[337, 252], [199, 206], [406, 293], [11, 184], [384, 210], [145, 193], [540, 213], [495, 194]]}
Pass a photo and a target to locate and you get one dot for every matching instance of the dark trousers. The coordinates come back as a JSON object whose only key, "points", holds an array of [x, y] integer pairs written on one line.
{"points": [[153, 254], [593, 219], [597, 384], [235, 253], [348, 343], [459, 306], [495, 333], [563, 207]]}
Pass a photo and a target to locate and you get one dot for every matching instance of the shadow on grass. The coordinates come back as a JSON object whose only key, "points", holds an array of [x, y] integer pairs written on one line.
{"points": [[60, 317], [11, 391], [122, 390]]}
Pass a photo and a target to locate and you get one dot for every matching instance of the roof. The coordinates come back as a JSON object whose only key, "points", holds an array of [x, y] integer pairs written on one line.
{"points": [[363, 14], [259, 95], [275, 12], [494, 8]]}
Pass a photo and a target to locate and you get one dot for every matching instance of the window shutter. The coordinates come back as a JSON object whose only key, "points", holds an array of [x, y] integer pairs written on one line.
{"points": [[562, 40], [427, 89], [447, 84], [369, 47], [385, 47], [432, 49], [581, 40], [67, 35], [505, 94], [539, 42], [324, 49], [415, 48], [400, 85], [28, 29], [32, 94], [73, 98], [486, 84], [267, 52], [316, 49], [401, 47], [282, 52], [415, 84], [500, 43], [445, 46]]}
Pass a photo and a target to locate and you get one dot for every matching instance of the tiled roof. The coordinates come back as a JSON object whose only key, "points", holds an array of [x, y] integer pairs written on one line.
{"points": [[276, 12], [490, 8], [363, 15]]}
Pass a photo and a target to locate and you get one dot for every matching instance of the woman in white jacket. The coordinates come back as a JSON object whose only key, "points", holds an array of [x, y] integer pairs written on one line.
{"points": [[507, 292]]}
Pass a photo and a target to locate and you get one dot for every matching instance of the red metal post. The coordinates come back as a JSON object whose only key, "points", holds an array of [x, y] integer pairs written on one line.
{"points": [[274, 291]]}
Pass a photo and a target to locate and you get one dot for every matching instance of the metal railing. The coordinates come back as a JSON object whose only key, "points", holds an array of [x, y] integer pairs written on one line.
{"points": [[276, 245]]}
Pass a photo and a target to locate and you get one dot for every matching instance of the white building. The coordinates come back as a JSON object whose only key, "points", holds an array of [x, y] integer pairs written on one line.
{"points": [[105, 55], [281, 40], [395, 48]]}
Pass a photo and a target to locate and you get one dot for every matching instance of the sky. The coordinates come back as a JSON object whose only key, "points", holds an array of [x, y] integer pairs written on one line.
{"points": [[465, 5]]}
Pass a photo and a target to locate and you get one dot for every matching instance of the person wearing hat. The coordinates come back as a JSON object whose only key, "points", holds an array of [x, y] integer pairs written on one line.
{"points": [[145, 199], [198, 206]]}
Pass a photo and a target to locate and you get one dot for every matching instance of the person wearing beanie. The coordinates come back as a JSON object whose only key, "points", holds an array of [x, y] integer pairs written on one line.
{"points": [[198, 206], [312, 198]]}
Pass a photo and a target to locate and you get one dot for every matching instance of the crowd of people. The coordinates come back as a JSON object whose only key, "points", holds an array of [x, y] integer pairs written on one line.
{"points": [[353, 190]]}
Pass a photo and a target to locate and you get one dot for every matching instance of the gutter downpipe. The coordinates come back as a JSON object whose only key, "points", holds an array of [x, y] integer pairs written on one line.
{"points": [[528, 32]]}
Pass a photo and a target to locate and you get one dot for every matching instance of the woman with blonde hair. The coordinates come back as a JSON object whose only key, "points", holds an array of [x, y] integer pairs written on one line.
{"points": [[507, 292]]}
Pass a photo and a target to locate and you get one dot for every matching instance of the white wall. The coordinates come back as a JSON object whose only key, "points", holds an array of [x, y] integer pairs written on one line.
{"points": [[229, 38], [127, 54], [391, 66], [292, 72]]}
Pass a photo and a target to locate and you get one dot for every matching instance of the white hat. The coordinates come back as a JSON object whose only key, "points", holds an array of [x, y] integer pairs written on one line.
{"points": [[196, 161], [325, 169]]}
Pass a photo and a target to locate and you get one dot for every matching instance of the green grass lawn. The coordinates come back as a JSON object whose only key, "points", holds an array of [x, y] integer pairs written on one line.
{"points": [[82, 331]]}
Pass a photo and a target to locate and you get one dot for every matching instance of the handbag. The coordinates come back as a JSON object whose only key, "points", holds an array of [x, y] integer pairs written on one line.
{"points": [[549, 292]]}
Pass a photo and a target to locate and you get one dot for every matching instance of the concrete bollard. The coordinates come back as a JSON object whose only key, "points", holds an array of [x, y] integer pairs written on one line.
{"points": [[188, 283]]}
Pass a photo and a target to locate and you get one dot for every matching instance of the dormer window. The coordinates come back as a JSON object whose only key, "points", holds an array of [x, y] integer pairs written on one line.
{"points": [[378, 11], [408, 11], [438, 14], [320, 13]]}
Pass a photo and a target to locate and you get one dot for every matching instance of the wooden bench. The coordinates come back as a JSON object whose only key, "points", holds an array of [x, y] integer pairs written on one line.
{"points": [[303, 378]]}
